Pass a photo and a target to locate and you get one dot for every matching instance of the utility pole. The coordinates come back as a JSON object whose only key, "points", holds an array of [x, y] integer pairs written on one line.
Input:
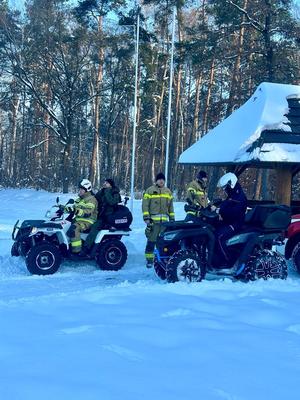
{"points": [[135, 106], [170, 96]]}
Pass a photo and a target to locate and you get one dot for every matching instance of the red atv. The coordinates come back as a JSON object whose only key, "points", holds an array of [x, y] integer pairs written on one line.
{"points": [[292, 248]]}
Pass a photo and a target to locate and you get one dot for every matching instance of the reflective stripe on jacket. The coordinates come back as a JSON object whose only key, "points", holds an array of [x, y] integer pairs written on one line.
{"points": [[158, 204], [197, 194], [86, 208]]}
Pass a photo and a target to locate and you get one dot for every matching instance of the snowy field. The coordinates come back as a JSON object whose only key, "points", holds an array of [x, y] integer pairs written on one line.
{"points": [[92, 335]]}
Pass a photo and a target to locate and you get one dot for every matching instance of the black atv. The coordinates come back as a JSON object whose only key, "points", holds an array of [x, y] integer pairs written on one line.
{"points": [[186, 251]]}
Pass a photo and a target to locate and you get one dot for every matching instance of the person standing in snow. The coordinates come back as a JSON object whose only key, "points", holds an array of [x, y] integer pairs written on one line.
{"points": [[108, 198], [157, 207], [85, 211], [232, 212], [197, 194]]}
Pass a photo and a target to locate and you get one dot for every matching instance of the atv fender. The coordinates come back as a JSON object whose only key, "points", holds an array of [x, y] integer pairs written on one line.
{"points": [[252, 240], [290, 245], [196, 235]]}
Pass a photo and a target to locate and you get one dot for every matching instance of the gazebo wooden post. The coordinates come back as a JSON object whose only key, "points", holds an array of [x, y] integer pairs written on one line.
{"points": [[284, 185]]}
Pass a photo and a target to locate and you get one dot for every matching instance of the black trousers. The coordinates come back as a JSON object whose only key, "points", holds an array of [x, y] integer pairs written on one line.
{"points": [[223, 233]]}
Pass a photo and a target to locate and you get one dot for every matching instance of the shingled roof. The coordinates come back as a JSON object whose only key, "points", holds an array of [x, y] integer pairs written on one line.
{"points": [[265, 130]]}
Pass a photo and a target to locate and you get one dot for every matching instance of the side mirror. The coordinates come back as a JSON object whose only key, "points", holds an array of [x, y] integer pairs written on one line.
{"points": [[57, 200], [71, 201]]}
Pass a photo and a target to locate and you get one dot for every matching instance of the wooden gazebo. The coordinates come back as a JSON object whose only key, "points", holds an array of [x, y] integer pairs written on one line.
{"points": [[263, 133]]}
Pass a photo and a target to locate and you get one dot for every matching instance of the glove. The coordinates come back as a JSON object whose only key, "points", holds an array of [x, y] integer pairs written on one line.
{"points": [[69, 208], [190, 207], [148, 227], [59, 212], [79, 212]]}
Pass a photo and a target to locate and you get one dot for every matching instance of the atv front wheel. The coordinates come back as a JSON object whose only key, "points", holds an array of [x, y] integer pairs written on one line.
{"points": [[112, 255], [296, 257], [185, 266], [265, 264], [14, 250], [43, 259]]}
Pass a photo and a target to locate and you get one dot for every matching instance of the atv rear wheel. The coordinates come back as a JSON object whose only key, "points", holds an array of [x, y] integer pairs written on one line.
{"points": [[159, 270], [43, 259], [265, 264], [112, 255], [185, 266], [296, 257]]}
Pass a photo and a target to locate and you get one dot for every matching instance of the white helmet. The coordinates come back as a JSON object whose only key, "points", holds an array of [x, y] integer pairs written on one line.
{"points": [[85, 184], [227, 179]]}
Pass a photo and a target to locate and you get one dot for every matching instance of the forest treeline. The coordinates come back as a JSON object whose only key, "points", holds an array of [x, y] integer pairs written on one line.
{"points": [[67, 84]]}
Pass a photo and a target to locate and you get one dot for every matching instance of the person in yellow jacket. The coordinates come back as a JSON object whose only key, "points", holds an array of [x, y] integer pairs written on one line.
{"points": [[196, 193], [85, 209], [157, 206]]}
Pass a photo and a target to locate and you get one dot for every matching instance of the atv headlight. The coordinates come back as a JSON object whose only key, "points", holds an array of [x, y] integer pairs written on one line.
{"points": [[34, 230], [170, 236]]}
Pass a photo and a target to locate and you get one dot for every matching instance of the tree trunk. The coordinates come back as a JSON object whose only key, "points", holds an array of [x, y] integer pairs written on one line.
{"points": [[97, 150], [236, 81], [208, 97], [14, 126], [268, 45], [66, 167], [195, 130]]}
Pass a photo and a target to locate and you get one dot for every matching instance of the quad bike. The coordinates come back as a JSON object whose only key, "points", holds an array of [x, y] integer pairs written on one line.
{"points": [[45, 243], [186, 251], [292, 247]]}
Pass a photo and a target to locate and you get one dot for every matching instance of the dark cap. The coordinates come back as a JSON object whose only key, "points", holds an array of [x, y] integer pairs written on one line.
{"points": [[159, 176], [201, 174], [110, 181]]}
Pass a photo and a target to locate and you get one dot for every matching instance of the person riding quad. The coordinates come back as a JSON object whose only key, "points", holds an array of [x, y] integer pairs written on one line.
{"points": [[157, 207], [108, 198], [85, 209], [231, 213], [197, 194]]}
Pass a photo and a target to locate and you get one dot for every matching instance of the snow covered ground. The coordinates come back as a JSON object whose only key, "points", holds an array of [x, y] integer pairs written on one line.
{"points": [[87, 334]]}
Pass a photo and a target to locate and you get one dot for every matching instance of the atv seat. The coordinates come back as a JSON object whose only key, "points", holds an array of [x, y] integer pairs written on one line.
{"points": [[268, 218]]}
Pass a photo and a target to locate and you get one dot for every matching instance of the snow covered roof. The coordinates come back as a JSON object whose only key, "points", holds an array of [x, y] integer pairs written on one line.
{"points": [[266, 129]]}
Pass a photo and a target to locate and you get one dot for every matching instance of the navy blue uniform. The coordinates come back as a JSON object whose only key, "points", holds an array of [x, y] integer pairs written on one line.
{"points": [[232, 211]]}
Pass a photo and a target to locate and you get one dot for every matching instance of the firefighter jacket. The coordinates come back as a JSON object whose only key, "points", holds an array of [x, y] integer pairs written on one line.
{"points": [[196, 194], [157, 204], [86, 208], [108, 198]]}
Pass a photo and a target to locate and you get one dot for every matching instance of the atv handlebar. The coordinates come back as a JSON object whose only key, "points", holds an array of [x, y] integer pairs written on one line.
{"points": [[200, 211]]}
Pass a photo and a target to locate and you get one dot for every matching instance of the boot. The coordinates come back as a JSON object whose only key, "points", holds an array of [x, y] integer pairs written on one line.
{"points": [[149, 263]]}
